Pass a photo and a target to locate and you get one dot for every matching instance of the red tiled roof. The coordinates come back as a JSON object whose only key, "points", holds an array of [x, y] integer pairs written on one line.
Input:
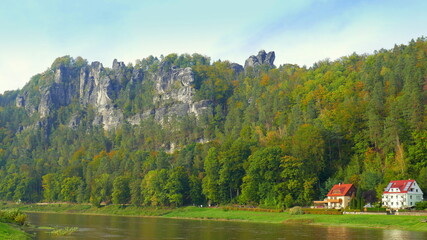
{"points": [[402, 185], [339, 190]]}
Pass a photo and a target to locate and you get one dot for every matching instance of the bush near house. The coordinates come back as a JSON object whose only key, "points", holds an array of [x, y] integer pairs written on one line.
{"points": [[322, 211], [251, 209], [421, 205], [376, 210]]}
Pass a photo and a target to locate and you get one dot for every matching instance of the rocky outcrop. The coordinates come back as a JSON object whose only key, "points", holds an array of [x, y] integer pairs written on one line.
{"points": [[174, 84], [174, 95], [98, 87], [260, 59], [74, 121], [237, 68], [53, 97]]}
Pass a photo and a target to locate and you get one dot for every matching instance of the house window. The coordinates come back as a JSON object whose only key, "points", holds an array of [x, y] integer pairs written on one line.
{"points": [[410, 197], [411, 203], [416, 190]]}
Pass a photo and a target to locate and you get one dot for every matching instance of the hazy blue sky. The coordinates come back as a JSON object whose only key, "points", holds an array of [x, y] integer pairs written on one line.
{"points": [[35, 32]]}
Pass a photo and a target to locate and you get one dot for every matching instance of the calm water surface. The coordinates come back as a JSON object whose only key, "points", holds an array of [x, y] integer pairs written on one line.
{"points": [[144, 228]]}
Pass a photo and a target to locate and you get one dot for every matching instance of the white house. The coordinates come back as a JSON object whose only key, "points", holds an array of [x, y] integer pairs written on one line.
{"points": [[402, 194]]}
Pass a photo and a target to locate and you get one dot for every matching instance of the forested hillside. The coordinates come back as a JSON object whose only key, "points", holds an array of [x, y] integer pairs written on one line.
{"points": [[180, 130]]}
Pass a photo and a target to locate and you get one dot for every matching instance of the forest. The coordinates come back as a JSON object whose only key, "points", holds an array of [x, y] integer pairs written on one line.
{"points": [[276, 137]]}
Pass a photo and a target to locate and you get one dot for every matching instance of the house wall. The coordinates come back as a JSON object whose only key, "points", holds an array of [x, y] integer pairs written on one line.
{"points": [[401, 200], [394, 200], [397, 200], [345, 200]]}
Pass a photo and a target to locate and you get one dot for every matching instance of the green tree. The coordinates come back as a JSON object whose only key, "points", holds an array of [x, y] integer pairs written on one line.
{"points": [[51, 186], [261, 183], [121, 191], [308, 145], [177, 186], [153, 188], [232, 170], [70, 189], [211, 188], [101, 189]]}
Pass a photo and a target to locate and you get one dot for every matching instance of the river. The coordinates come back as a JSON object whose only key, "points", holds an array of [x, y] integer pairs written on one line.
{"points": [[145, 228]]}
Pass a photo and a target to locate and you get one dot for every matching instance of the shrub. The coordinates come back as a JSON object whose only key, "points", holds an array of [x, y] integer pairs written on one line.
{"points": [[21, 218], [251, 209], [376, 209], [65, 231], [14, 215], [421, 205], [296, 211], [322, 211]]}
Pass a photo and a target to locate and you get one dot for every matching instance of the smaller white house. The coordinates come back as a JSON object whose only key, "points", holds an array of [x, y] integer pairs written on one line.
{"points": [[402, 194]]}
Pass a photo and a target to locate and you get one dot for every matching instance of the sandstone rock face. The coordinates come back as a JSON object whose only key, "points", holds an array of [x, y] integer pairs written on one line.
{"points": [[174, 84], [260, 59], [98, 90], [21, 102], [99, 87], [174, 96], [237, 68], [74, 121]]}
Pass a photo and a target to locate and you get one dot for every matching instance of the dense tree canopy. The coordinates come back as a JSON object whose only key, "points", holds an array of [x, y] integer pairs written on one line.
{"points": [[276, 137]]}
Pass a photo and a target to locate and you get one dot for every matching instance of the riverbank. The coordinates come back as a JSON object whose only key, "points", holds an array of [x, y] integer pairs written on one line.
{"points": [[8, 231], [410, 223], [10, 222]]}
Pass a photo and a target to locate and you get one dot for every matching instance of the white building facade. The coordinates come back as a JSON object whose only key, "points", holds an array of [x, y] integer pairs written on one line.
{"points": [[402, 194]]}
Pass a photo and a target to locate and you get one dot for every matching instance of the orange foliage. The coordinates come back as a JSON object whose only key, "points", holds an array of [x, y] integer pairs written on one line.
{"points": [[235, 83], [112, 154], [359, 85], [102, 154], [265, 80]]}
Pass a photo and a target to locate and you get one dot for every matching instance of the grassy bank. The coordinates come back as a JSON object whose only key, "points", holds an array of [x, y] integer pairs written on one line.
{"points": [[412, 223], [10, 219], [8, 231], [89, 209]]}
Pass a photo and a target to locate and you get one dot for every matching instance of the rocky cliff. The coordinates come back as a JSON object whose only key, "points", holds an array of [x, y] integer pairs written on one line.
{"points": [[98, 87], [92, 85]]}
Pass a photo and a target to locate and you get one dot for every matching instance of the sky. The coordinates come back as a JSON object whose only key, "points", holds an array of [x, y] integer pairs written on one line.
{"points": [[33, 33]]}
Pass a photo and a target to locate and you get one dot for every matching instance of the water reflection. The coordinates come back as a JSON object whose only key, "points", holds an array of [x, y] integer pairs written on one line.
{"points": [[397, 235], [337, 233], [115, 227]]}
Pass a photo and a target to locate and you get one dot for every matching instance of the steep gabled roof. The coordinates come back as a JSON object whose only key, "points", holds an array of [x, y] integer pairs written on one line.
{"points": [[339, 190], [402, 185]]}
